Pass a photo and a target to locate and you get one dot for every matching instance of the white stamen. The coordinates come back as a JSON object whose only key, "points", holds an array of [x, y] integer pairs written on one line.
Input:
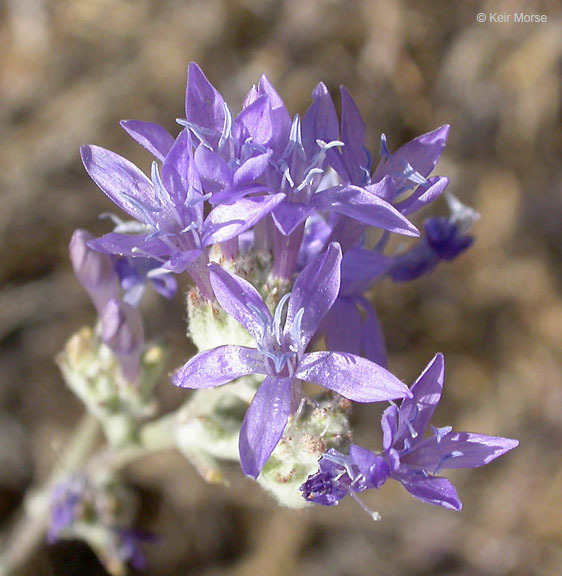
{"points": [[374, 515]]}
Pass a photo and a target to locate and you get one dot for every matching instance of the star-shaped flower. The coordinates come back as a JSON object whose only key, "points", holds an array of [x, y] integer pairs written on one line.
{"points": [[280, 355], [171, 225], [408, 456]]}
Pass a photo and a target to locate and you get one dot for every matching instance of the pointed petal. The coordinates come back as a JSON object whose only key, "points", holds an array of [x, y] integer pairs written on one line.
{"points": [[120, 180], [219, 366], [155, 138], [289, 215], [204, 106], [177, 168], [418, 410], [422, 153], [315, 290], [181, 261], [351, 376], [354, 153], [254, 122], [374, 468], [279, 115], [240, 300], [458, 450], [213, 169], [431, 489], [341, 327], [251, 170], [264, 423], [423, 195], [316, 233], [227, 221], [364, 206], [320, 121], [130, 245]]}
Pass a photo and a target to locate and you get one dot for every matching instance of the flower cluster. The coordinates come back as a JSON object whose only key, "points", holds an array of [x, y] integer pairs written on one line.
{"points": [[283, 225]]}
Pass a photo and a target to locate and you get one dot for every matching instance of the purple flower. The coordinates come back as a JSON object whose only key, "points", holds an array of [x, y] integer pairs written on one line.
{"points": [[123, 332], [170, 226], [406, 169], [280, 355], [411, 165], [95, 271], [408, 456], [443, 240], [263, 150]]}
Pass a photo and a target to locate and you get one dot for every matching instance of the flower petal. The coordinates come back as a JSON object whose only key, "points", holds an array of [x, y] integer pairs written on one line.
{"points": [[389, 425], [351, 376], [372, 336], [341, 327], [177, 169], [264, 423], [121, 181], [354, 153], [422, 153], [227, 221], [423, 195], [431, 489], [458, 450], [251, 170], [320, 121], [360, 267], [279, 115], [289, 215], [181, 261], [240, 300], [219, 366], [315, 290], [255, 122], [155, 138], [204, 106], [130, 245], [374, 468], [416, 412], [365, 206], [213, 169]]}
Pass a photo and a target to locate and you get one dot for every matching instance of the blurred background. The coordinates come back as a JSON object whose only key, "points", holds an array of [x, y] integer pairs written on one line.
{"points": [[71, 69]]}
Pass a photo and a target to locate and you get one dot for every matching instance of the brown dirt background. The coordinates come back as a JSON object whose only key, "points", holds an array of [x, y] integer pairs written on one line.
{"points": [[71, 69]]}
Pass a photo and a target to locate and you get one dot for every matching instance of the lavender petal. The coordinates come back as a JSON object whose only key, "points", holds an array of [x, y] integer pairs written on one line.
{"points": [[121, 181], [219, 366], [315, 291], [240, 300], [264, 423], [458, 450], [155, 138], [351, 376]]}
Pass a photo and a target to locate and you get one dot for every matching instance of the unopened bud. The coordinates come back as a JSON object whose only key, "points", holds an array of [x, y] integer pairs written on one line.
{"points": [[122, 331], [94, 270]]}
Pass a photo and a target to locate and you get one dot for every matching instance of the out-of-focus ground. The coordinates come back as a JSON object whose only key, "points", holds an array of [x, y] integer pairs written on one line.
{"points": [[71, 69]]}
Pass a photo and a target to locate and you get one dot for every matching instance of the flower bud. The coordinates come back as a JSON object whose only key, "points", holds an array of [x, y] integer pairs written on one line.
{"points": [[123, 333], [94, 270]]}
